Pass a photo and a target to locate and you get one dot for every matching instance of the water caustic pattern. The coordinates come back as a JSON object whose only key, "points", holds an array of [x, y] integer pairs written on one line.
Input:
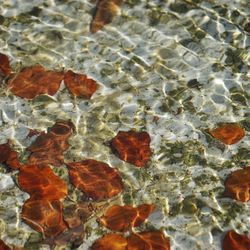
{"points": [[75, 75]]}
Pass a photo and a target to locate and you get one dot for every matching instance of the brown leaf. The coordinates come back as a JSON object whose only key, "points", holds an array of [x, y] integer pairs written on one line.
{"points": [[123, 218], [96, 179], [234, 241], [110, 242], [41, 183], [229, 133], [44, 216], [3, 246], [80, 85], [237, 185], [5, 68], [35, 80], [49, 148], [9, 156], [132, 147], [105, 12], [33, 132], [148, 241]]}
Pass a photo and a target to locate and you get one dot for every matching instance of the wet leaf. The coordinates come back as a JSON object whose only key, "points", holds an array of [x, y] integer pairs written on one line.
{"points": [[79, 85], [3, 246], [33, 132], [9, 156], [44, 216], [5, 68], [132, 147], [234, 241], [148, 241], [237, 185], [48, 148], [229, 134], [96, 179], [35, 80], [105, 12], [110, 242], [123, 218]]}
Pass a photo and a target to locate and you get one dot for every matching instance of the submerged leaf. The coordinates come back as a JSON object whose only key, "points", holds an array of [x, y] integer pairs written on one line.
{"points": [[35, 80], [3, 246], [41, 183], [237, 185], [110, 242], [48, 148], [96, 179], [229, 134], [44, 216], [5, 68], [132, 147], [80, 85], [234, 241], [123, 218], [148, 241], [105, 12], [9, 156]]}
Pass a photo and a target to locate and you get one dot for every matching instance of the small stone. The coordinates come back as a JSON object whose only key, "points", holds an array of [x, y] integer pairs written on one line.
{"points": [[6, 182]]}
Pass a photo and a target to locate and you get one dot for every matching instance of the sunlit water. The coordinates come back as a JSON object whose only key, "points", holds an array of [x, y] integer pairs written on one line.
{"points": [[172, 68]]}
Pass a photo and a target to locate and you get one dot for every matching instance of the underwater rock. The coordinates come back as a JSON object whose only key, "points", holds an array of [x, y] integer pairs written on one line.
{"points": [[5, 68], [41, 183], [229, 133], [110, 242], [44, 216], [234, 241], [9, 156], [132, 147], [79, 85], [237, 185], [105, 12], [123, 218], [35, 80], [48, 148], [6, 182], [96, 179]]}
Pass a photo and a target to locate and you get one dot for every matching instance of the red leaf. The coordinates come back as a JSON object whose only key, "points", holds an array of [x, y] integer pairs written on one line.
{"points": [[106, 10], [96, 179], [44, 216], [9, 156], [3, 246], [237, 185], [41, 183], [148, 241], [5, 68], [123, 218], [49, 148], [132, 147], [229, 134], [35, 80], [234, 241], [80, 85], [110, 242]]}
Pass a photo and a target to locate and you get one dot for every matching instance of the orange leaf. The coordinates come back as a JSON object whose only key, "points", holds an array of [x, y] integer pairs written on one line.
{"points": [[49, 148], [229, 134], [41, 183], [3, 246], [5, 68], [110, 242], [80, 85], [237, 185], [132, 147], [35, 80], [106, 10], [9, 156], [96, 179], [44, 216], [234, 241], [123, 218], [148, 241]]}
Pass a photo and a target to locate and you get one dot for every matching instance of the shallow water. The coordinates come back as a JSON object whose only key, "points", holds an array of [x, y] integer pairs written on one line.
{"points": [[171, 68]]}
